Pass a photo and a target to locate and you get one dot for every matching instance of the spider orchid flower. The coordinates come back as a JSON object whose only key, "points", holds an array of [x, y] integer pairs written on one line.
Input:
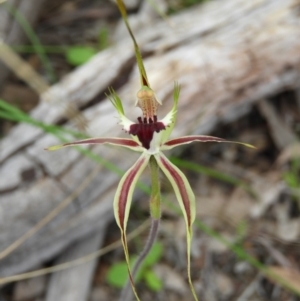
{"points": [[150, 136]]}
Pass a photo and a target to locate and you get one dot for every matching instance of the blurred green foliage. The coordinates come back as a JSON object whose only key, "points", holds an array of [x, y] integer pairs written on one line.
{"points": [[78, 55], [118, 274]]}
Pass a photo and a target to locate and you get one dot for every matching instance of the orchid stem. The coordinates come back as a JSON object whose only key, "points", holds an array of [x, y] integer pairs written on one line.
{"points": [[155, 199], [126, 293]]}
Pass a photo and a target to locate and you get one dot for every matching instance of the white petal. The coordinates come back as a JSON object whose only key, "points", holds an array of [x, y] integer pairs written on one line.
{"points": [[125, 122], [155, 143]]}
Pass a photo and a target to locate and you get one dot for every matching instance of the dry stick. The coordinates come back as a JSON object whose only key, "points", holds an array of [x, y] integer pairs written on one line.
{"points": [[250, 289], [26, 73], [50, 215], [76, 262], [22, 69]]}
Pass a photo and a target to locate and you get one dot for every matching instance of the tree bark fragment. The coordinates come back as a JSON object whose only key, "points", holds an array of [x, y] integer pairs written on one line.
{"points": [[74, 284]]}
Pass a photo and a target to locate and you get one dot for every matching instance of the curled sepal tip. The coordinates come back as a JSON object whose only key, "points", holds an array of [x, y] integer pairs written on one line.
{"points": [[122, 202], [54, 147], [186, 200]]}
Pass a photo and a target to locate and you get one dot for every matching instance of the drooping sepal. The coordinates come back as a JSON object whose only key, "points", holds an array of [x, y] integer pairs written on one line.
{"points": [[123, 196], [124, 142], [197, 138], [186, 200], [181, 186], [122, 202]]}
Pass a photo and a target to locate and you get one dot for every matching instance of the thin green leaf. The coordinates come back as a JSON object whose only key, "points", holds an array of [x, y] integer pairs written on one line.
{"points": [[46, 48], [103, 39]]}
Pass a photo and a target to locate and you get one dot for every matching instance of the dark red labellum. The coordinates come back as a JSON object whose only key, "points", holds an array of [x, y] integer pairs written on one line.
{"points": [[144, 130]]}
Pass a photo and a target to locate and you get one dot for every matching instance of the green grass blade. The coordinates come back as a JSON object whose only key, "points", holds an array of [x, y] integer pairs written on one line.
{"points": [[11, 113], [45, 48], [39, 49]]}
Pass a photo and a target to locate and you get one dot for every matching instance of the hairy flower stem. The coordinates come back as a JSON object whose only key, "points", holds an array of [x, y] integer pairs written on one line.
{"points": [[155, 212], [126, 293]]}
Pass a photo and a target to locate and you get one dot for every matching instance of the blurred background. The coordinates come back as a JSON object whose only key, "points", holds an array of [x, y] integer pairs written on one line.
{"points": [[238, 64]]}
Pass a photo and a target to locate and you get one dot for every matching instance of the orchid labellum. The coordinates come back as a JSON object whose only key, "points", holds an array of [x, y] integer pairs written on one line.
{"points": [[150, 137]]}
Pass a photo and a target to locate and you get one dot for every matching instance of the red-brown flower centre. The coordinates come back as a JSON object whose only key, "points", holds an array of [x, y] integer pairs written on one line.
{"points": [[145, 129]]}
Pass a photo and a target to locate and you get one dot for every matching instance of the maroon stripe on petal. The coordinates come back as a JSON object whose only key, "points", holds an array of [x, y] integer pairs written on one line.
{"points": [[180, 184], [117, 141], [125, 190], [189, 139]]}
